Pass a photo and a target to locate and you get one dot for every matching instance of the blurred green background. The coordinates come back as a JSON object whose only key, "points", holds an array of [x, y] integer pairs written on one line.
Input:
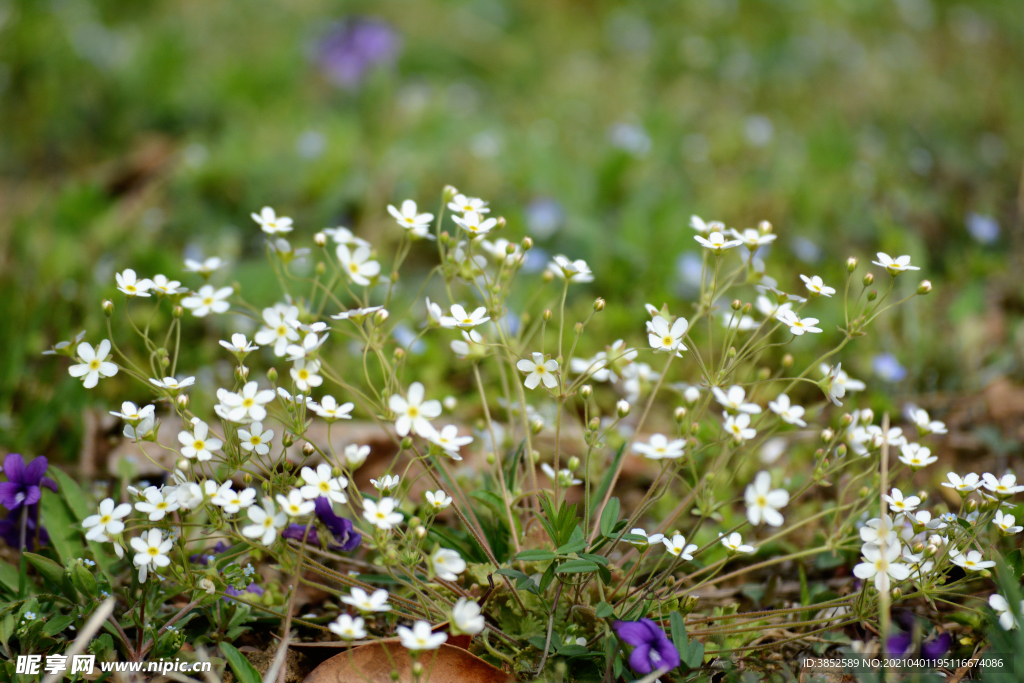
{"points": [[133, 134]]}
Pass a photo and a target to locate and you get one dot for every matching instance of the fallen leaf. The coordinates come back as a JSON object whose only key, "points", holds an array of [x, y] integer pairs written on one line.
{"points": [[374, 663]]}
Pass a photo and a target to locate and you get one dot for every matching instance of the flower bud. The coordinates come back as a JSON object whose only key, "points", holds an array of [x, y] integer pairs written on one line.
{"points": [[421, 532], [691, 395], [526, 244], [680, 414], [586, 391], [380, 317], [599, 305], [924, 287], [732, 352], [547, 315], [868, 279], [108, 307], [851, 264], [826, 435], [923, 495], [622, 408], [536, 425], [406, 443], [241, 373], [535, 456], [308, 449], [872, 295], [574, 462], [445, 237], [594, 424], [787, 360], [548, 276], [398, 353], [272, 374], [736, 304], [841, 450], [864, 492], [320, 239], [695, 428], [247, 478], [321, 268], [747, 308], [867, 416], [897, 593], [491, 458], [182, 401], [415, 522], [449, 193], [207, 585], [449, 403], [165, 362], [501, 223], [972, 505], [985, 573], [764, 227]]}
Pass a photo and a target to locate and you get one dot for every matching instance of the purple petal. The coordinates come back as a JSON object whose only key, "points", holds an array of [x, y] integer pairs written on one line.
{"points": [[35, 470], [668, 653], [9, 491], [14, 467], [49, 483], [640, 659], [32, 495], [936, 647], [898, 644], [632, 632]]}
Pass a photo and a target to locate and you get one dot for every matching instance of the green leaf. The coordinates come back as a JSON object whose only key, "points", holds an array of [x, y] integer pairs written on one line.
{"points": [[9, 576], [53, 573], [610, 517], [57, 624], [536, 555], [577, 567], [512, 573], [604, 610], [679, 638], [600, 559], [65, 533], [492, 500], [572, 650], [538, 642], [694, 656], [243, 670], [548, 576], [79, 506]]}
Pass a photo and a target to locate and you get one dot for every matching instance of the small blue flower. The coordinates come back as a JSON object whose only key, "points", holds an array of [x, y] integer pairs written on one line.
{"points": [[888, 368]]}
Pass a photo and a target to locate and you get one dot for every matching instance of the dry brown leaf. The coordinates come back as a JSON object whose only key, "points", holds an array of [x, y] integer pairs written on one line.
{"points": [[372, 664]]}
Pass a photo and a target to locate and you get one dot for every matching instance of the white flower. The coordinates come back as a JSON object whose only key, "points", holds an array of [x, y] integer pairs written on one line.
{"points": [[1006, 523], [916, 456], [770, 309], [788, 412], [753, 239], [816, 286], [322, 482], [265, 522], [305, 374], [107, 521], [208, 299], [897, 503], [355, 455], [1007, 486], [190, 495], [151, 549], [439, 500], [205, 267], [653, 539], [839, 383], [573, 271], [564, 476], [797, 325], [663, 337], [538, 370], [198, 443], [763, 503], [894, 265], [344, 236], [94, 363], [881, 566], [968, 484], [971, 560], [357, 315], [255, 439], [295, 504], [381, 514], [348, 627], [357, 264], [247, 404], [281, 322], [386, 483], [172, 384], [131, 413], [163, 286], [464, 204], [417, 224], [239, 344], [475, 224], [130, 285], [734, 400], [375, 602], [734, 542], [448, 564], [155, 505], [435, 314], [448, 439], [271, 223], [329, 409], [232, 501], [925, 425], [462, 319], [716, 242], [677, 546], [466, 617], [659, 447], [999, 604], [420, 637], [882, 530], [704, 228], [738, 427], [413, 413]]}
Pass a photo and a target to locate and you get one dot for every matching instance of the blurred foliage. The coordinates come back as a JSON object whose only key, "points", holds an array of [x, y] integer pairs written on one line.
{"points": [[132, 134]]}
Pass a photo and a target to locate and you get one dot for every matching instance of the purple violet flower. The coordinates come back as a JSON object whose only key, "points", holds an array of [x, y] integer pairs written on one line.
{"points": [[204, 557], [353, 47], [346, 538], [23, 481], [652, 650], [231, 590], [10, 530]]}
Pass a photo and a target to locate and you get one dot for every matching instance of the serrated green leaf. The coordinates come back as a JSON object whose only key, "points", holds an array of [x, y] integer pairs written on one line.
{"points": [[535, 555], [577, 567], [243, 670]]}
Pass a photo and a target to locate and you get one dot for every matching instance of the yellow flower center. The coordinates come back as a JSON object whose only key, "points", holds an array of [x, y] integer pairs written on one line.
{"points": [[762, 501], [94, 364], [413, 411], [249, 402], [199, 445], [282, 331], [207, 301], [154, 551], [105, 519]]}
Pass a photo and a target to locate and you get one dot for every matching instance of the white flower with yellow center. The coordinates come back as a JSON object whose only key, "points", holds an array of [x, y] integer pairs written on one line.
{"points": [[305, 374], [881, 565], [94, 363], [381, 514], [266, 522], [678, 547], [255, 438], [413, 413], [322, 482], [208, 300], [280, 323], [198, 443], [357, 264], [416, 224], [106, 521], [271, 223], [764, 503], [421, 637], [539, 371], [128, 283], [295, 504]]}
